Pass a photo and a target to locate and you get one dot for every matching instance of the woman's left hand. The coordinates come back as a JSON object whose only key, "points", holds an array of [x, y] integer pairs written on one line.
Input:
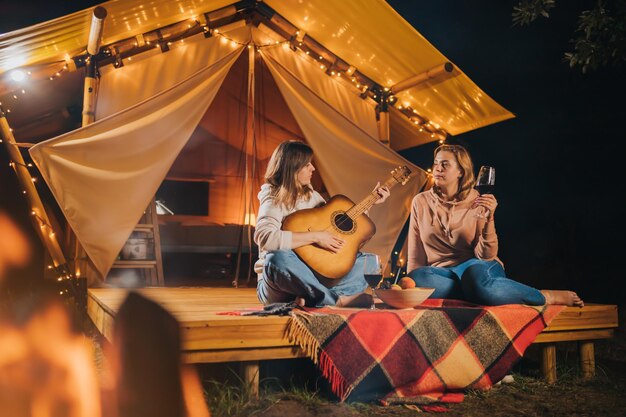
{"points": [[489, 202], [383, 192]]}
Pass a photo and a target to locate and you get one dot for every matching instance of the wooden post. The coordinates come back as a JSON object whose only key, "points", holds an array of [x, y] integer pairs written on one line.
{"points": [[89, 92], [95, 31], [548, 362], [249, 189], [383, 126], [93, 46], [250, 376], [82, 266], [41, 222], [587, 359]]}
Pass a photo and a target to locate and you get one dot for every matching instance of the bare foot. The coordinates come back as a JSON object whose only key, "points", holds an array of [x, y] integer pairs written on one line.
{"points": [[356, 300], [299, 301], [568, 298]]}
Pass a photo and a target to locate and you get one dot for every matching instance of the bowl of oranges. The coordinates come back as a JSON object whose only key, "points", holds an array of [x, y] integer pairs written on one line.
{"points": [[404, 294]]}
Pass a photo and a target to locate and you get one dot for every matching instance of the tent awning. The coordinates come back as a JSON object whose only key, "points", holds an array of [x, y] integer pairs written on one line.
{"points": [[368, 35]]}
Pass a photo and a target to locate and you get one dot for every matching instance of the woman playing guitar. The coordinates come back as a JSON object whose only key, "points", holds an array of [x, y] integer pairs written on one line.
{"points": [[282, 276]]}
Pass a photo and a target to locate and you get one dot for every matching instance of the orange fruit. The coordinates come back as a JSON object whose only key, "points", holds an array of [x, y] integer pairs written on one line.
{"points": [[406, 283], [396, 287]]}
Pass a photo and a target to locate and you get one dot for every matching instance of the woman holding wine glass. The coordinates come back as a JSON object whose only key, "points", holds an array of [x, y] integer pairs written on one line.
{"points": [[453, 245]]}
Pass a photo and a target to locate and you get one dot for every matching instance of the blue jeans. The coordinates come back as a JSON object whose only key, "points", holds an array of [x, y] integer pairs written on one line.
{"points": [[286, 277], [477, 281]]}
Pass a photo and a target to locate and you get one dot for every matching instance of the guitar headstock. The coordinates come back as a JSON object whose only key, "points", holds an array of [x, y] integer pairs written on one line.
{"points": [[401, 174]]}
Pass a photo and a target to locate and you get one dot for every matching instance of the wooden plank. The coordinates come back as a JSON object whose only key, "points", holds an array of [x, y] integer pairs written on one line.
{"points": [[574, 335], [592, 316], [211, 337], [236, 355]]}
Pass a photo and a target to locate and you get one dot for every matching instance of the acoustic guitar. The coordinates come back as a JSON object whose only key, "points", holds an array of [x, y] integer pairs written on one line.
{"points": [[342, 217]]}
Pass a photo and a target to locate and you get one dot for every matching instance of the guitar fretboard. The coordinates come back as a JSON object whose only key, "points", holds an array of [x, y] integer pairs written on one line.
{"points": [[368, 201]]}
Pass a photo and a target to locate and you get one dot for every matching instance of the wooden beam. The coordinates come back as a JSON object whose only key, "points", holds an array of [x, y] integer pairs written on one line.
{"points": [[422, 77], [41, 222]]}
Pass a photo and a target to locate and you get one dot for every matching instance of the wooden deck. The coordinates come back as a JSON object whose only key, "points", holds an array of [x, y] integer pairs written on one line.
{"points": [[209, 338]]}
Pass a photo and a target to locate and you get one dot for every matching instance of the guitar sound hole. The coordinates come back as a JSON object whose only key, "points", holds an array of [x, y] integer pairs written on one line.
{"points": [[343, 222]]}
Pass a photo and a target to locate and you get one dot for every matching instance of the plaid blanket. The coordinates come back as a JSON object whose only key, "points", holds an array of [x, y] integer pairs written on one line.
{"points": [[426, 355]]}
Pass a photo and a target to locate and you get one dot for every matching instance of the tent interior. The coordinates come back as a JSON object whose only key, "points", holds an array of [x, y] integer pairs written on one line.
{"points": [[196, 127]]}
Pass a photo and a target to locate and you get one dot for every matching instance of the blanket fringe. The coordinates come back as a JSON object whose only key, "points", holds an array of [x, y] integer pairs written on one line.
{"points": [[298, 333]]}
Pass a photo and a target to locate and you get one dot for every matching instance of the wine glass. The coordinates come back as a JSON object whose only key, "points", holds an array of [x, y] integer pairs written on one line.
{"points": [[373, 273], [485, 184]]}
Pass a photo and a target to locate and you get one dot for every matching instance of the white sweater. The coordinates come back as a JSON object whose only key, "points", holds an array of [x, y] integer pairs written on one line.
{"points": [[268, 234]]}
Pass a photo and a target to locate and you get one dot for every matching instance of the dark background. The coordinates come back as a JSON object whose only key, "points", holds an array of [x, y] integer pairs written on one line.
{"points": [[559, 162]]}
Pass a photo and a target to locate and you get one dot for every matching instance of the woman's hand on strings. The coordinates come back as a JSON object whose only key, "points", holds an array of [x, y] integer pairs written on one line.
{"points": [[383, 192]]}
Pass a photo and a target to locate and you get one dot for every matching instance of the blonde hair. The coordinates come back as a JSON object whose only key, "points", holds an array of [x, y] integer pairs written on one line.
{"points": [[288, 158], [463, 158]]}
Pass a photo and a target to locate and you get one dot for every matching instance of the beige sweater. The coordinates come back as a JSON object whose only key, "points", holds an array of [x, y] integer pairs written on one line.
{"points": [[268, 234], [444, 233]]}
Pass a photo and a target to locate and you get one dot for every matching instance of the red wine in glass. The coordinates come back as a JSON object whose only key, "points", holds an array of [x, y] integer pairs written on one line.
{"points": [[485, 189], [373, 279], [373, 273], [485, 184]]}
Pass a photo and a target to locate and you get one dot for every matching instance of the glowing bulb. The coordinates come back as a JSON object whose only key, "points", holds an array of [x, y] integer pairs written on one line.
{"points": [[18, 76]]}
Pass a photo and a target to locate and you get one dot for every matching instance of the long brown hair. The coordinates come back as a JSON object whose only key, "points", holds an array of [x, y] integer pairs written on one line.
{"points": [[463, 158], [288, 158]]}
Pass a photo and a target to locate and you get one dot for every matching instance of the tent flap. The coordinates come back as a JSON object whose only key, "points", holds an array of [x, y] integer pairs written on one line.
{"points": [[104, 175]]}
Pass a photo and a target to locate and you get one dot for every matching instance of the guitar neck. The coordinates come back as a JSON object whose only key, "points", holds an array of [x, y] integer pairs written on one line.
{"points": [[368, 201]]}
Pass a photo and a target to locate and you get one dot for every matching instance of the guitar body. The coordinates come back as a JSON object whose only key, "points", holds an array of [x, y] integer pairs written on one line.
{"points": [[331, 217]]}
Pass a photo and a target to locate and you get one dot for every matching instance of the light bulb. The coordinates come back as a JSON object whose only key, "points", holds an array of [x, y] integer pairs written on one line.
{"points": [[18, 75]]}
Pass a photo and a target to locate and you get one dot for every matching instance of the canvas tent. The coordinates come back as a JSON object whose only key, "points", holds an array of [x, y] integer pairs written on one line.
{"points": [[212, 100]]}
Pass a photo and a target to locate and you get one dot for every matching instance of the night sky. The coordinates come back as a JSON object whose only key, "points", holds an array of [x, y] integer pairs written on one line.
{"points": [[559, 162]]}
